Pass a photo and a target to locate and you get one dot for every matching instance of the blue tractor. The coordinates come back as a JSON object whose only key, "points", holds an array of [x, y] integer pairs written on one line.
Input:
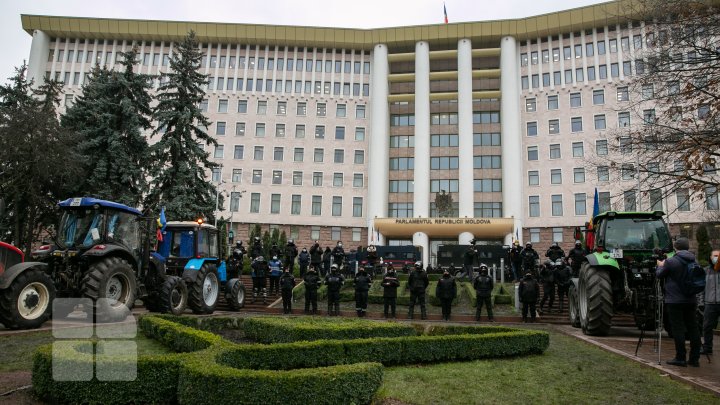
{"points": [[191, 251]]}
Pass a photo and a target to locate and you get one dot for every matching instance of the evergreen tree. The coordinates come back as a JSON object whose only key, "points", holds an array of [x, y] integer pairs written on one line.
{"points": [[110, 118], [39, 162], [266, 243], [254, 231], [180, 162], [704, 248]]}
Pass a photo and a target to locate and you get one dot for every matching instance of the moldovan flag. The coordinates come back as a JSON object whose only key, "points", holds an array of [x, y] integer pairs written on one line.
{"points": [[445, 12], [162, 221], [596, 210]]}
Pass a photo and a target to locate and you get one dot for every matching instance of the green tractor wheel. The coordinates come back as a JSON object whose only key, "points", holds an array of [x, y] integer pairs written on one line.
{"points": [[27, 302], [595, 300], [110, 284], [573, 306]]}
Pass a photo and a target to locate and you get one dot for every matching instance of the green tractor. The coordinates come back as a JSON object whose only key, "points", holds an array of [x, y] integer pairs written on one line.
{"points": [[618, 276]]}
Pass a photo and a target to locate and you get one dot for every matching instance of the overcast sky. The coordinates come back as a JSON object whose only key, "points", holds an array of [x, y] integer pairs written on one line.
{"points": [[329, 13]]}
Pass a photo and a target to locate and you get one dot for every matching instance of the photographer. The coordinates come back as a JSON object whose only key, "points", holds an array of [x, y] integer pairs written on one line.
{"points": [[469, 258], [316, 257], [680, 306]]}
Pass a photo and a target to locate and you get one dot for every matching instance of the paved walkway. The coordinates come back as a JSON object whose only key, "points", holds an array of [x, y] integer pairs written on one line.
{"points": [[624, 340]]}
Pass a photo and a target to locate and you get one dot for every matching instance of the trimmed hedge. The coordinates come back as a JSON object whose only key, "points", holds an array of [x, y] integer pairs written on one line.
{"points": [[202, 382], [388, 351], [178, 337], [285, 330], [156, 380], [500, 295], [208, 323]]}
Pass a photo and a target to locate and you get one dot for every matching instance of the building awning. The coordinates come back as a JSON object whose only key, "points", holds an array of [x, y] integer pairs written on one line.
{"points": [[481, 228]]}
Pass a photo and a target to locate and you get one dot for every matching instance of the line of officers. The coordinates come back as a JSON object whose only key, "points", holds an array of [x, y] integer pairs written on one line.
{"points": [[313, 274]]}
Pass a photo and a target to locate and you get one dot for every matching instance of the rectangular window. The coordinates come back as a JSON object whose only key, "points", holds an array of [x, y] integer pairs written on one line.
{"points": [[357, 207], [204, 105], [530, 105], [531, 128], [575, 100], [339, 133], [260, 129], [336, 206], [625, 145], [296, 204], [602, 71], [280, 130], [567, 53], [315, 232], [359, 134], [258, 152], [339, 156], [255, 203], [317, 179], [277, 177], [239, 129], [278, 153], [553, 103], [256, 176], [600, 121], [535, 81], [623, 94], [220, 128], [242, 106], [223, 106], [532, 153], [557, 235], [601, 47], [656, 200], [301, 108], [299, 154], [568, 76], [318, 155], [319, 131], [297, 178], [555, 176], [524, 82], [341, 111], [557, 78], [613, 46], [711, 198], [557, 205], [534, 206], [627, 171], [359, 157], [545, 56], [580, 204], [577, 149], [579, 175], [556, 54], [533, 178], [357, 180], [262, 107], [627, 68], [237, 176], [614, 70], [219, 151], [275, 203], [239, 152], [555, 151], [576, 124], [300, 131], [402, 163], [216, 175], [623, 119], [598, 97], [282, 107], [337, 179], [630, 200], [321, 110], [604, 201], [589, 49], [603, 173], [534, 235], [359, 111], [591, 73]]}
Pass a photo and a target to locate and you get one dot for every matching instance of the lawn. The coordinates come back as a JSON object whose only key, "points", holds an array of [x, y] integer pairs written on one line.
{"points": [[570, 372], [17, 349]]}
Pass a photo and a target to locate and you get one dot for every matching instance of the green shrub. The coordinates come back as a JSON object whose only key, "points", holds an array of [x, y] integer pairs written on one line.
{"points": [[178, 337], [210, 383], [156, 380], [277, 329]]}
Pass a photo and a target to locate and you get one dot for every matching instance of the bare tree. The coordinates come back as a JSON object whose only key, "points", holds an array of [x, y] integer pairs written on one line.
{"points": [[669, 140]]}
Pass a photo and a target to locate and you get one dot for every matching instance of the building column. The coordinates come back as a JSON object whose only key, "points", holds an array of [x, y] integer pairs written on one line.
{"points": [[38, 57], [512, 164], [465, 238], [421, 195], [466, 194], [379, 140]]}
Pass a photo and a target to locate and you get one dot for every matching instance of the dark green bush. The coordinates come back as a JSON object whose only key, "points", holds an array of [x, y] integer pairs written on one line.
{"points": [[156, 380], [178, 337], [278, 329]]}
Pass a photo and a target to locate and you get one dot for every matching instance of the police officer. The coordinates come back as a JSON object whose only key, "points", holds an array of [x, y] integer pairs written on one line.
{"points": [[452, 270], [334, 282], [291, 253], [575, 257], [390, 285], [275, 250], [256, 249], [562, 280], [303, 261], [554, 252], [287, 283], [258, 274], [529, 258], [316, 254], [446, 291], [312, 283], [529, 292], [483, 285], [362, 285], [417, 283], [237, 259], [372, 256], [547, 276], [326, 259], [275, 273], [469, 258], [338, 255], [516, 259]]}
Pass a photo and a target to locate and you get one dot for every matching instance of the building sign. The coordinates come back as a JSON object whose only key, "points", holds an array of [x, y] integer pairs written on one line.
{"points": [[483, 228]]}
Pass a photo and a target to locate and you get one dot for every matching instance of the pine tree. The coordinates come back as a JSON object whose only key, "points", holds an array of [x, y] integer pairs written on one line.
{"points": [[254, 231], [110, 118], [39, 162], [180, 162]]}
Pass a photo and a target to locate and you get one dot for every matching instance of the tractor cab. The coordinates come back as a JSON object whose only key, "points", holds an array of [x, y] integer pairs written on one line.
{"points": [[185, 241], [632, 237]]}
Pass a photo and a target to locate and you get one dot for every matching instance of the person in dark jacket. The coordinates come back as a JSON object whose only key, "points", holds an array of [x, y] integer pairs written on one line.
{"points": [[275, 250], [312, 283], [326, 259], [547, 277], [680, 307], [417, 283], [390, 285], [529, 259], [291, 252], [446, 291], [362, 286], [711, 298], [259, 273], [516, 259], [275, 273], [483, 285], [529, 292], [575, 258], [316, 258], [236, 260], [303, 261], [554, 252], [338, 255], [256, 249], [334, 282], [372, 257], [287, 283], [562, 281], [469, 258]]}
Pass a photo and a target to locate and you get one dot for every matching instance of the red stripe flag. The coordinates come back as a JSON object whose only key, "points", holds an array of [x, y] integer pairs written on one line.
{"points": [[445, 12]]}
